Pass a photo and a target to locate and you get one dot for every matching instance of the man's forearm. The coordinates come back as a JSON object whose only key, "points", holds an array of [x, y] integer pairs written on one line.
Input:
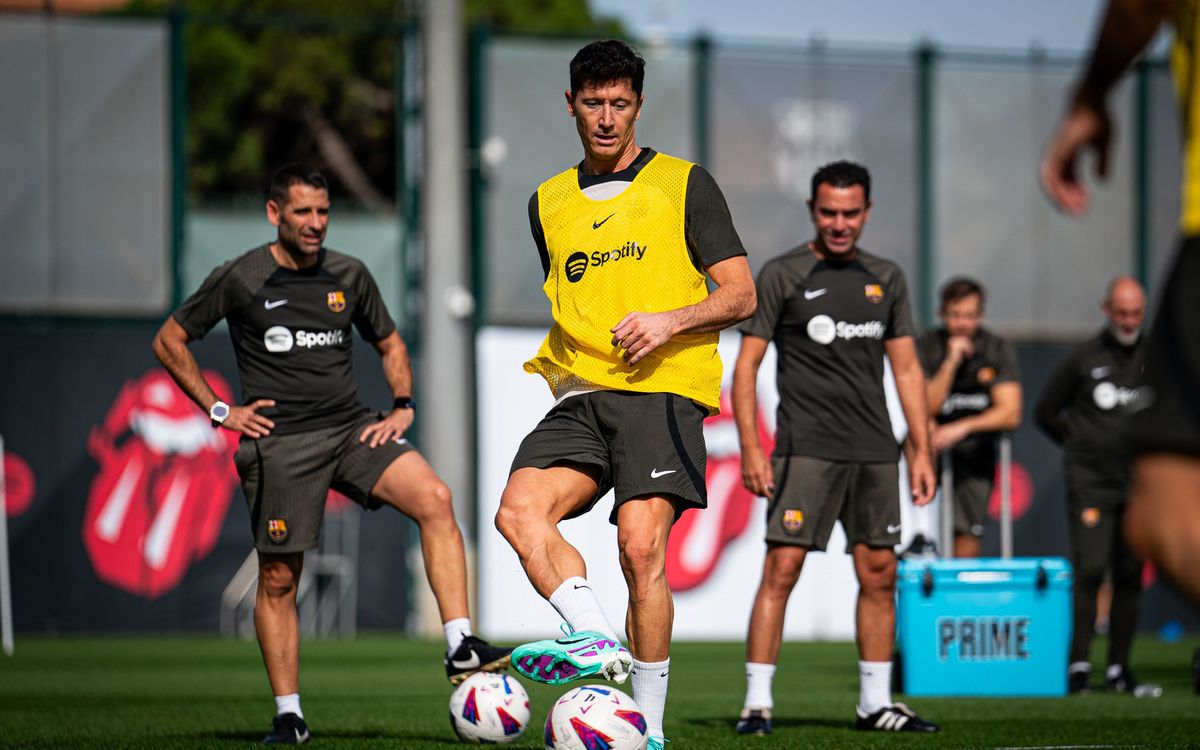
{"points": [[397, 368], [726, 306], [745, 407], [937, 388], [911, 389], [179, 363], [995, 419], [1127, 28]]}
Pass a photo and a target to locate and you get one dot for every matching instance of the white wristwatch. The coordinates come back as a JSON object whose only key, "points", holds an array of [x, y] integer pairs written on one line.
{"points": [[218, 413]]}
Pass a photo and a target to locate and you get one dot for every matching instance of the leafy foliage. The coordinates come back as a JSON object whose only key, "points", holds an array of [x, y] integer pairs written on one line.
{"points": [[272, 81]]}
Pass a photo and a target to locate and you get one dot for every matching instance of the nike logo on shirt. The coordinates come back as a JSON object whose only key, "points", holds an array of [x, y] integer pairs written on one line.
{"points": [[655, 473], [1099, 372], [814, 293], [272, 305]]}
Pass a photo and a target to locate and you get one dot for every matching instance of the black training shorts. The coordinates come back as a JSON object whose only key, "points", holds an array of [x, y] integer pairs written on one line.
{"points": [[642, 444], [1170, 421], [811, 494], [287, 477]]}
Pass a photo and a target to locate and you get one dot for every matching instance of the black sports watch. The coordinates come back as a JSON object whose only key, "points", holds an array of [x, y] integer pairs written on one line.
{"points": [[404, 402]]}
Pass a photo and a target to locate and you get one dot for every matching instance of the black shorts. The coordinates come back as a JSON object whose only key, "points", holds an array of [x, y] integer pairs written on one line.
{"points": [[287, 477], [642, 443], [811, 494], [1170, 421], [973, 484]]}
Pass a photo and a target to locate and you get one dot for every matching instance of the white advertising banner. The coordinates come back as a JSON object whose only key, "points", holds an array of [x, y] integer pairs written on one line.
{"points": [[714, 557]]}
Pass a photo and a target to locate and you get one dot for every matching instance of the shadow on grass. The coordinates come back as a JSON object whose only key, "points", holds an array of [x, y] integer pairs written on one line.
{"points": [[731, 724], [256, 737]]}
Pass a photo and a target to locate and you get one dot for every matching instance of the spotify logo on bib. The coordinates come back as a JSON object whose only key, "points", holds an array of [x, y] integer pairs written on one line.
{"points": [[576, 265], [821, 329]]}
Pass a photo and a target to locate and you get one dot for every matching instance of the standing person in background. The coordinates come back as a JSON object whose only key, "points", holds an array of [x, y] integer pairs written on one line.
{"points": [[1085, 407], [834, 312], [1162, 523], [290, 305], [629, 239], [973, 393]]}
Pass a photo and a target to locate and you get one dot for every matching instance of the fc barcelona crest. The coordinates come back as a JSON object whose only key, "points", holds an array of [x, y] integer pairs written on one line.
{"points": [[793, 520], [336, 301], [277, 530], [874, 292]]}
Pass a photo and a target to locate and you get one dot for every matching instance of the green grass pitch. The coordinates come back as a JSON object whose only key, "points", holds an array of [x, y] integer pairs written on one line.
{"points": [[389, 692]]}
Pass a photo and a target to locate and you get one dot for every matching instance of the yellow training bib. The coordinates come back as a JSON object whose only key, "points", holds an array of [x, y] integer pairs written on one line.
{"points": [[609, 258], [1184, 63]]}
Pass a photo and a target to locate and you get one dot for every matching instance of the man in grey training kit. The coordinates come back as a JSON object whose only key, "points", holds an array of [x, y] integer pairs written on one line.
{"points": [[1086, 407], [834, 312], [973, 392], [289, 305]]}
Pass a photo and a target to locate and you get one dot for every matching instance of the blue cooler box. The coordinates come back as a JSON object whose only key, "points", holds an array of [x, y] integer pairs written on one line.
{"points": [[985, 626]]}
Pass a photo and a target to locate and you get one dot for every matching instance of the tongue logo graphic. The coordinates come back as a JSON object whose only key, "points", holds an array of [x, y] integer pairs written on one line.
{"points": [[165, 481], [698, 539]]}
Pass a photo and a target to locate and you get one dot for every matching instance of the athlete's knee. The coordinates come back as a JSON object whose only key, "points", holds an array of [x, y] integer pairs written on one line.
{"points": [[643, 557], [516, 516], [277, 580], [781, 572], [877, 575], [436, 505]]}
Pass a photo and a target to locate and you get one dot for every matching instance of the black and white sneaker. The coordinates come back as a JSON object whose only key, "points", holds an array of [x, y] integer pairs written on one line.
{"points": [[920, 547], [894, 718], [1120, 679], [287, 729], [1079, 681], [475, 655], [754, 721]]}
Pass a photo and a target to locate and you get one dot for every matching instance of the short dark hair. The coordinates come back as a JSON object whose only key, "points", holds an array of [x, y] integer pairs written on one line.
{"points": [[959, 288], [842, 174], [605, 62], [292, 174]]}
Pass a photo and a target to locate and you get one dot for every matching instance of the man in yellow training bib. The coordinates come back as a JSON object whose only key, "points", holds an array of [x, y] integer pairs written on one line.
{"points": [[628, 240]]}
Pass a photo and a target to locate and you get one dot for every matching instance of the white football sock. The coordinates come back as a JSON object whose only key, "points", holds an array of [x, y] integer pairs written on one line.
{"points": [[650, 692], [874, 685], [1080, 666], [758, 685], [577, 604], [456, 630], [288, 704]]}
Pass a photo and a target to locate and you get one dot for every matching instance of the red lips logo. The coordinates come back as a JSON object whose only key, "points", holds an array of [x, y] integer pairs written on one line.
{"points": [[166, 478], [698, 539]]}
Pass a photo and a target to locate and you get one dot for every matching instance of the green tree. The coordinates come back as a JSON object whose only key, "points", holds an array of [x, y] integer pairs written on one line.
{"points": [[271, 81]]}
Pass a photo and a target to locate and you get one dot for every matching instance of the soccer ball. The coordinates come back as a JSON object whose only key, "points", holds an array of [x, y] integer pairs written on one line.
{"points": [[595, 716], [489, 709]]}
